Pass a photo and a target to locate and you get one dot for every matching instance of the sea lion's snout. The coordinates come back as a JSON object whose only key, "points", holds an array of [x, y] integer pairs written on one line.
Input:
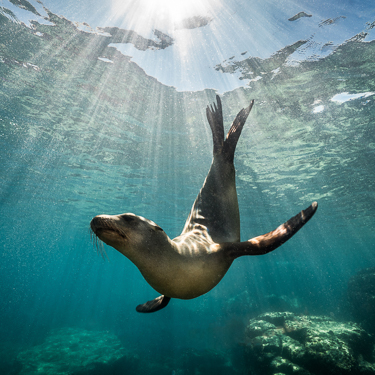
{"points": [[101, 222], [108, 228]]}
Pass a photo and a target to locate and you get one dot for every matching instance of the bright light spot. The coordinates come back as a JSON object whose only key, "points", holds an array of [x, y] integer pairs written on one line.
{"points": [[345, 96], [275, 72], [145, 15], [173, 10], [318, 109], [105, 60]]}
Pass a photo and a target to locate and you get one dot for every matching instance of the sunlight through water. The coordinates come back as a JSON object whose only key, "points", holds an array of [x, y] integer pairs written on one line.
{"points": [[103, 111], [167, 15]]}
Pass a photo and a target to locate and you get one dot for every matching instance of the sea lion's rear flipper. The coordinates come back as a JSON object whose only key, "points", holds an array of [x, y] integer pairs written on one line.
{"points": [[235, 130], [270, 241], [154, 305], [215, 119]]}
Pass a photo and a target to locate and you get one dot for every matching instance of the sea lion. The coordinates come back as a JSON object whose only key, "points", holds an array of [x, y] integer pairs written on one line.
{"points": [[194, 262]]}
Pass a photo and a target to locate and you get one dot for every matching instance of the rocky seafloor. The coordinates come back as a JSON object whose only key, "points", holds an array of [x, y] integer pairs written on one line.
{"points": [[275, 343], [285, 343], [75, 351]]}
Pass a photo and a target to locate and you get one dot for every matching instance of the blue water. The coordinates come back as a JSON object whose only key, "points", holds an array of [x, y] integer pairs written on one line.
{"points": [[80, 136]]}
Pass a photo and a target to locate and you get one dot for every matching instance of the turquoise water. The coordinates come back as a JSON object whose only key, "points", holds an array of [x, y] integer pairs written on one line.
{"points": [[85, 130]]}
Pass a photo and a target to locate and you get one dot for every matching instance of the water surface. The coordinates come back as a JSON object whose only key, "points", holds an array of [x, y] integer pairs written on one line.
{"points": [[112, 119]]}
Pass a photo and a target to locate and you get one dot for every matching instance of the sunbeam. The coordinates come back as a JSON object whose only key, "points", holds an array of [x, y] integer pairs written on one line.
{"points": [[103, 110], [166, 15]]}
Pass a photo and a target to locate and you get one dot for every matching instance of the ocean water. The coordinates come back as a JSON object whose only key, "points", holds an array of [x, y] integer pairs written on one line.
{"points": [[97, 121]]}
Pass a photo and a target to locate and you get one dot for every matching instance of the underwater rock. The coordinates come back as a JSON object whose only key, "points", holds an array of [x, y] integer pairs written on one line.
{"points": [[284, 343], [361, 298], [72, 351]]}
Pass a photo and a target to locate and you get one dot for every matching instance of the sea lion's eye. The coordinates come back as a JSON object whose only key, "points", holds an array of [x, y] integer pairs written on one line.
{"points": [[158, 228]]}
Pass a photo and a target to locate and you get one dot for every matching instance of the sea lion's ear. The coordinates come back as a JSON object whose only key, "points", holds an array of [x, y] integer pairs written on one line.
{"points": [[270, 241], [154, 305]]}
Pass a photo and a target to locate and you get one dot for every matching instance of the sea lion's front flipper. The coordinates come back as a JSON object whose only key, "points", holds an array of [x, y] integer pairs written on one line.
{"points": [[270, 241], [154, 305]]}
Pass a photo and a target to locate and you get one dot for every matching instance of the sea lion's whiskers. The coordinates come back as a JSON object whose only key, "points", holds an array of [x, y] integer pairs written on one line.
{"points": [[98, 244]]}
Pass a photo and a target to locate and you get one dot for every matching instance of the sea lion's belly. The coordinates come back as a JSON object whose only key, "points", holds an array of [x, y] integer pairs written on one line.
{"points": [[187, 277]]}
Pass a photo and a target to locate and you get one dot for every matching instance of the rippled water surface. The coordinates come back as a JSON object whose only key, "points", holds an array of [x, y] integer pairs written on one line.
{"points": [[102, 110]]}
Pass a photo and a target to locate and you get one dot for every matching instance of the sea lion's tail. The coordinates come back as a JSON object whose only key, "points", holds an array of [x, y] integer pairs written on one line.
{"points": [[215, 119], [270, 241]]}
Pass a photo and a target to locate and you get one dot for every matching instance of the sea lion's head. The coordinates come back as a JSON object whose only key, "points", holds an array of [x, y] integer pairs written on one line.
{"points": [[130, 234]]}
